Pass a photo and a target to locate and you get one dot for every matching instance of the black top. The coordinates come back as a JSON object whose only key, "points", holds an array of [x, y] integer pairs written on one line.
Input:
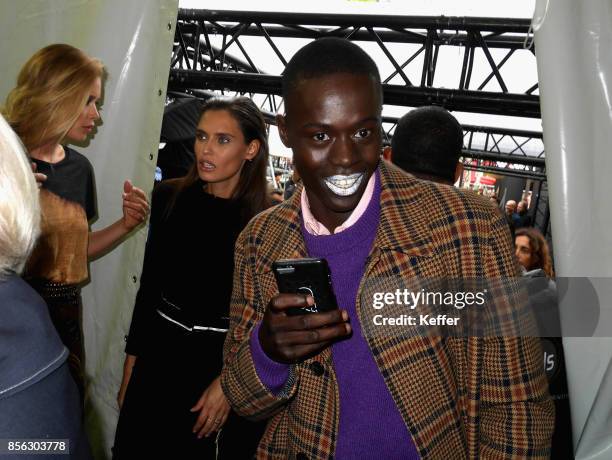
{"points": [[67, 200], [189, 261], [523, 220], [71, 179]]}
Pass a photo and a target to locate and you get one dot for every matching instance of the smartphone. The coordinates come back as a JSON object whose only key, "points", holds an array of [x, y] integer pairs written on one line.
{"points": [[306, 276]]}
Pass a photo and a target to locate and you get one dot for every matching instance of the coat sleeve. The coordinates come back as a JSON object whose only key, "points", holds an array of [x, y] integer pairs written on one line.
{"points": [[516, 412], [247, 395]]}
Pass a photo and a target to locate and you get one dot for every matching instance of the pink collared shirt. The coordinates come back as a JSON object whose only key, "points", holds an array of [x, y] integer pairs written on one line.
{"points": [[314, 227]]}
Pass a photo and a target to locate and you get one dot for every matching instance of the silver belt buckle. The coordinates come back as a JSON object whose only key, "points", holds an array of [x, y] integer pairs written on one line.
{"points": [[189, 328]]}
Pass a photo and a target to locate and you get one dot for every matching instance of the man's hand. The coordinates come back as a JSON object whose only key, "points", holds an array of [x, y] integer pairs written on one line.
{"points": [[40, 177], [135, 205], [291, 339]]}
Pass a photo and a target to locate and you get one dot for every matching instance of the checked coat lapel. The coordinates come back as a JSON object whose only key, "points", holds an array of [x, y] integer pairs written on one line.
{"points": [[415, 369]]}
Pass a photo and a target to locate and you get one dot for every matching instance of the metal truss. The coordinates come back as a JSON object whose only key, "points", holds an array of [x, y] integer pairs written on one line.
{"points": [[504, 151], [478, 65], [211, 53], [208, 45]]}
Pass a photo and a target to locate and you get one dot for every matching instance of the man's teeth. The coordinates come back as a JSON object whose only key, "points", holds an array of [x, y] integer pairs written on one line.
{"points": [[344, 185]]}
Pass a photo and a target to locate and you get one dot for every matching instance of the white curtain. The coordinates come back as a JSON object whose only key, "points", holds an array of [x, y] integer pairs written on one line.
{"points": [[134, 40], [573, 41]]}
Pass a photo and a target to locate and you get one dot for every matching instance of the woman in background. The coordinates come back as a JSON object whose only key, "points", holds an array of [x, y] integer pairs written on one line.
{"points": [[174, 402], [533, 255], [56, 102], [532, 251], [33, 362]]}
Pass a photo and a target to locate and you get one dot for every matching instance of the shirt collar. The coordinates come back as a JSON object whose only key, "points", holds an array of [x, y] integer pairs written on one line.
{"points": [[314, 227]]}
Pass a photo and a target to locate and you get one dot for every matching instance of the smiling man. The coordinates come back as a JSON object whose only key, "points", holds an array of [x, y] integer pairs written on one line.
{"points": [[328, 388]]}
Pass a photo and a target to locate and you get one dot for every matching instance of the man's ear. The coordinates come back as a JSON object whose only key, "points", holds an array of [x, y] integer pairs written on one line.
{"points": [[281, 124], [458, 171], [387, 152], [252, 149]]}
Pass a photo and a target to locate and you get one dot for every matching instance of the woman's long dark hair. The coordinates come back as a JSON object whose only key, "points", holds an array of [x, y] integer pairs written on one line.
{"points": [[251, 190], [539, 250]]}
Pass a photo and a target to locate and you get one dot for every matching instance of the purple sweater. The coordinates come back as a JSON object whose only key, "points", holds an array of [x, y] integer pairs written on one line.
{"points": [[370, 424]]}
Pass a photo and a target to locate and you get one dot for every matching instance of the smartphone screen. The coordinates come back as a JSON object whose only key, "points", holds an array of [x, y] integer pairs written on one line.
{"points": [[308, 276]]}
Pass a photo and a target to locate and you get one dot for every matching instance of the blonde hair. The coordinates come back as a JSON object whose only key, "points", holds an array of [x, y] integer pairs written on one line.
{"points": [[19, 205], [52, 89]]}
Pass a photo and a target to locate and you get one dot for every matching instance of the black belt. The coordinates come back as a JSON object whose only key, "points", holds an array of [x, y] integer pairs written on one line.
{"points": [[177, 315], [57, 292]]}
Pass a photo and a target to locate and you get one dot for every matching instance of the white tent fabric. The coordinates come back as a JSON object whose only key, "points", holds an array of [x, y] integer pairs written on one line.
{"points": [[134, 40], [573, 41]]}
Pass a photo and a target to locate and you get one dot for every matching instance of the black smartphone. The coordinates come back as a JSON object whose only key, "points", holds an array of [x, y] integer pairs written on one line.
{"points": [[306, 276]]}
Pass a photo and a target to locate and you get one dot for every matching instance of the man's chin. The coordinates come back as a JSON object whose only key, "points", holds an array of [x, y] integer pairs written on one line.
{"points": [[344, 204]]}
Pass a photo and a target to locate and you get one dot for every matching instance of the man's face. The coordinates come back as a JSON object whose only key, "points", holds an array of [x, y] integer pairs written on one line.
{"points": [[510, 206], [333, 126]]}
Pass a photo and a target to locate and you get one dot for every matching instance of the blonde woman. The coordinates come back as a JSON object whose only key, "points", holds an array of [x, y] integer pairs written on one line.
{"points": [[56, 102], [32, 357]]}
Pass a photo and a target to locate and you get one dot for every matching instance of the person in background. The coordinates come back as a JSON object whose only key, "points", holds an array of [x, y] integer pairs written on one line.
{"points": [[427, 143], [38, 397], [171, 390], [511, 216], [532, 251], [533, 255], [54, 103], [522, 218], [276, 196], [510, 208], [278, 179], [291, 184]]}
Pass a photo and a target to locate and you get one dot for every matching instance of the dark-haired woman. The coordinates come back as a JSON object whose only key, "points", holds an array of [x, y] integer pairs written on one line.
{"points": [[172, 404], [533, 255], [532, 251]]}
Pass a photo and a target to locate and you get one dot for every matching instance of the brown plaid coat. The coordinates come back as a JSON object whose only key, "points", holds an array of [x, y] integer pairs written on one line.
{"points": [[459, 397]]}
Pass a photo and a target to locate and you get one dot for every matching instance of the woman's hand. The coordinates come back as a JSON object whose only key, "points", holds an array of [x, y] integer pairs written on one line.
{"points": [[214, 410], [40, 177], [128, 365], [135, 212], [135, 205]]}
